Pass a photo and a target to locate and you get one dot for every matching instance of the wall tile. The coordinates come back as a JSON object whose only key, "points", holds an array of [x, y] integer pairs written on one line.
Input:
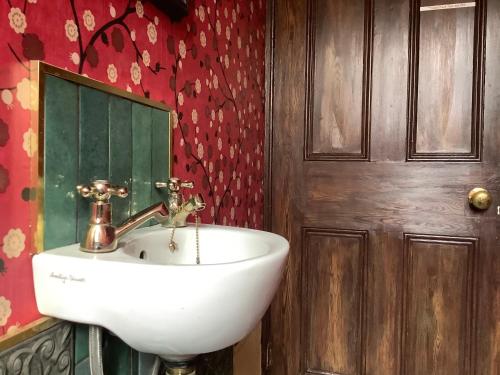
{"points": [[83, 367], [141, 161], [117, 356], [93, 153], [48, 353], [81, 342], [120, 154], [159, 169], [60, 197]]}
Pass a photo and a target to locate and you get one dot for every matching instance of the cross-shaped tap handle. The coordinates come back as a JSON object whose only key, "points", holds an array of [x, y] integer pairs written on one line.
{"points": [[174, 184], [101, 190]]}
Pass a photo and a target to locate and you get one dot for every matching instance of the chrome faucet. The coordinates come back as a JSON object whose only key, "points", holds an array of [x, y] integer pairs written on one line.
{"points": [[102, 236]]}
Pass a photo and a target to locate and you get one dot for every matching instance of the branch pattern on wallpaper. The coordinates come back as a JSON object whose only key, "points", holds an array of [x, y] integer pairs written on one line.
{"points": [[209, 69], [221, 96]]}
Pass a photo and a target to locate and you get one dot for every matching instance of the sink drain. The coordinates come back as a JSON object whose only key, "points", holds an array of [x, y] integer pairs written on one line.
{"points": [[180, 369]]}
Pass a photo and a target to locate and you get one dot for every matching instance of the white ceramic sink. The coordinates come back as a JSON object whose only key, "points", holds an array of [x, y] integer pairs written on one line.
{"points": [[164, 303]]}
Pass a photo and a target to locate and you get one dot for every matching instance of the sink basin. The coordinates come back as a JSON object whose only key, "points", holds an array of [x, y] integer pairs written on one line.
{"points": [[161, 302]]}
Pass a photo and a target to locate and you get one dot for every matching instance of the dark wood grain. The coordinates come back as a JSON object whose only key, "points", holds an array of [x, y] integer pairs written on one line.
{"points": [[446, 65], [428, 300], [334, 283], [492, 86], [486, 329], [389, 82], [383, 349], [439, 289], [339, 77], [268, 171], [290, 57], [446, 77]]}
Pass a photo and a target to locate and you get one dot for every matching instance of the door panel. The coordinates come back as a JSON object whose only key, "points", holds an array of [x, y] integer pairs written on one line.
{"points": [[339, 60], [445, 76], [334, 282], [446, 80], [374, 151], [439, 286]]}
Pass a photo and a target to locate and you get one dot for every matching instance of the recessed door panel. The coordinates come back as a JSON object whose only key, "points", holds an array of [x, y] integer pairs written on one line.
{"points": [[335, 289], [339, 79], [438, 304], [446, 80]]}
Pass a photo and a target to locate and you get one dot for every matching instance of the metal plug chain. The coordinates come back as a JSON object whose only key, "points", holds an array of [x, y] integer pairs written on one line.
{"points": [[197, 235], [172, 245]]}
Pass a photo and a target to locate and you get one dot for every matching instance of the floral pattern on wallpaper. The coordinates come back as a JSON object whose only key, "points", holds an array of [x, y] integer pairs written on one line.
{"points": [[209, 68]]}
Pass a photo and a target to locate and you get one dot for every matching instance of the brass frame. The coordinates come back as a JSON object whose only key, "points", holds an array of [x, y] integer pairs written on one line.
{"points": [[26, 332], [38, 71]]}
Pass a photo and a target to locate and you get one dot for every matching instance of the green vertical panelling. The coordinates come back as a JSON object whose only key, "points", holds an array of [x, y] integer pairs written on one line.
{"points": [[141, 157], [61, 153], [94, 146], [120, 153], [160, 150]]}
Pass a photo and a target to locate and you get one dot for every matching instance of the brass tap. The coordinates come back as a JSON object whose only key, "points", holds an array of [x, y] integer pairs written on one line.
{"points": [[178, 208], [102, 236]]}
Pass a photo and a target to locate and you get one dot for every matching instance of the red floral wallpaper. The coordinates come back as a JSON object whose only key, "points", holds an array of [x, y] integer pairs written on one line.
{"points": [[209, 68]]}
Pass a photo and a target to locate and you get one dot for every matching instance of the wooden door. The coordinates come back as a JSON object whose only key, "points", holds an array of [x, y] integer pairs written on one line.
{"points": [[384, 115]]}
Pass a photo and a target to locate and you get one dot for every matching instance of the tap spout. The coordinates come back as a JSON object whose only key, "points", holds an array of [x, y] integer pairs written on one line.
{"points": [[158, 211], [177, 218]]}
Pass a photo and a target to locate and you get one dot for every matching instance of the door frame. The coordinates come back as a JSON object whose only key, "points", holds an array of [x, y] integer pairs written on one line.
{"points": [[266, 350]]}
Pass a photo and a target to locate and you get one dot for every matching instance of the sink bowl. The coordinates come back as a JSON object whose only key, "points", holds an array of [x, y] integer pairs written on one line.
{"points": [[161, 302]]}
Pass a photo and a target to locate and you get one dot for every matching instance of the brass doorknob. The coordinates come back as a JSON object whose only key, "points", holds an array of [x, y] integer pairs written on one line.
{"points": [[480, 199]]}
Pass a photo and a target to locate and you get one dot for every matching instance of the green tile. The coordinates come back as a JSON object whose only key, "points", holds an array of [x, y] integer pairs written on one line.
{"points": [[141, 157], [135, 362], [94, 146], [83, 368], [117, 356], [145, 363], [120, 153], [81, 342], [61, 137], [160, 152]]}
